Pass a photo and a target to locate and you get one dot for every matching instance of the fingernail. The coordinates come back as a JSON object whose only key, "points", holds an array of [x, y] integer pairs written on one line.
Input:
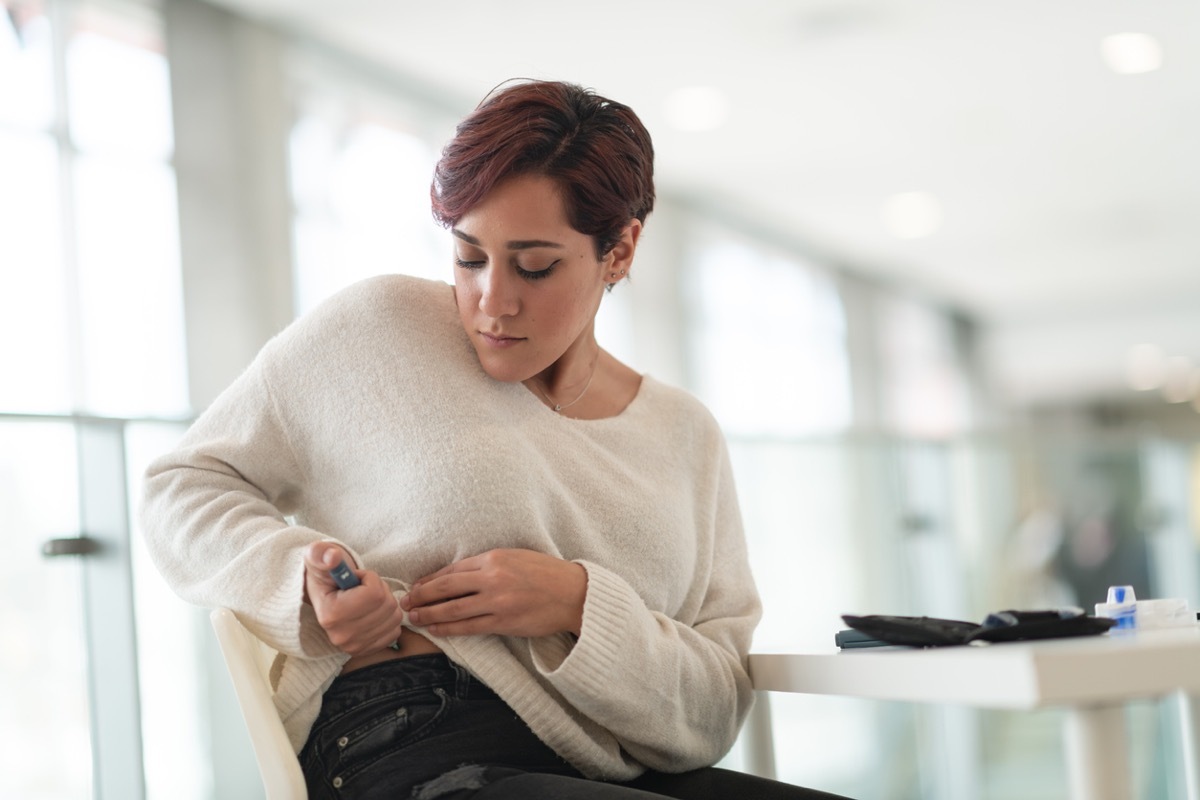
{"points": [[405, 602]]}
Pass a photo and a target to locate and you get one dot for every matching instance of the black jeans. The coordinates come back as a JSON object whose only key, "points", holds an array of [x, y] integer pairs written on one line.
{"points": [[424, 728]]}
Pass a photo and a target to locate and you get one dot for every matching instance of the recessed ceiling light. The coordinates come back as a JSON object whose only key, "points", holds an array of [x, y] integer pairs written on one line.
{"points": [[912, 215], [697, 108], [1131, 53]]}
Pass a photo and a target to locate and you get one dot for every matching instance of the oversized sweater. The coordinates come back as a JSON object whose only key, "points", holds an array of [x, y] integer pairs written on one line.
{"points": [[370, 422]]}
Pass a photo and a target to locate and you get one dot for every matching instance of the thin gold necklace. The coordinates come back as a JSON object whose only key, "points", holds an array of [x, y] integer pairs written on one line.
{"points": [[558, 407]]}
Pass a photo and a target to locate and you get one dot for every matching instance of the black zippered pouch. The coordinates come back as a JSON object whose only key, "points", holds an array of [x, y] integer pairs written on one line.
{"points": [[1001, 626]]}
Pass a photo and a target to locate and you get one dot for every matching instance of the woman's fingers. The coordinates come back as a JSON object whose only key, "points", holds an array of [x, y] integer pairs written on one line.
{"points": [[513, 592], [372, 631], [433, 590]]}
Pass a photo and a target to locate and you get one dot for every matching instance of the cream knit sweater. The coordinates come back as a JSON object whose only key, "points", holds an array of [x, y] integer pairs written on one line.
{"points": [[370, 422]]}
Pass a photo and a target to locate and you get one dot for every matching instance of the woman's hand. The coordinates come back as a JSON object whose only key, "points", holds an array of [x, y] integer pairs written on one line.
{"points": [[357, 621], [509, 592]]}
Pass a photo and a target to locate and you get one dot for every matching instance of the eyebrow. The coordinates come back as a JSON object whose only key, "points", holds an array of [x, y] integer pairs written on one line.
{"points": [[516, 244]]}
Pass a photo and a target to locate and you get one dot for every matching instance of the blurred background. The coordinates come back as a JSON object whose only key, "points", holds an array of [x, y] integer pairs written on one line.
{"points": [[934, 265]]}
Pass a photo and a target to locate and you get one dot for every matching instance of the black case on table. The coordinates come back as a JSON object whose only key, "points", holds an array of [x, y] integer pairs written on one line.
{"points": [[1002, 626]]}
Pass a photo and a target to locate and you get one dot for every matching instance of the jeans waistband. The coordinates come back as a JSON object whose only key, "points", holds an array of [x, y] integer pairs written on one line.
{"points": [[434, 670]]}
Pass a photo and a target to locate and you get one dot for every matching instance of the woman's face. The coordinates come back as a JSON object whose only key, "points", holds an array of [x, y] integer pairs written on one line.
{"points": [[527, 284]]}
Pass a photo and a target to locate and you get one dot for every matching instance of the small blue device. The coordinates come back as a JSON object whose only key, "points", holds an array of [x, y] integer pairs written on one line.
{"points": [[343, 576]]}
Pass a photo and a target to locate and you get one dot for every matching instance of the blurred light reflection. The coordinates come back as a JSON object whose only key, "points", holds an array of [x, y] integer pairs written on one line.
{"points": [[1131, 53], [912, 215]]}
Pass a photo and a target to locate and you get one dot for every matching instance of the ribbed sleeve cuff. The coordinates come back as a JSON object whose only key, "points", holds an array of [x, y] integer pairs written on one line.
{"points": [[587, 664], [287, 622]]}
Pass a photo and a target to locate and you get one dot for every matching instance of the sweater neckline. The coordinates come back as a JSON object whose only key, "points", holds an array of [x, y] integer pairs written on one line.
{"points": [[623, 414]]}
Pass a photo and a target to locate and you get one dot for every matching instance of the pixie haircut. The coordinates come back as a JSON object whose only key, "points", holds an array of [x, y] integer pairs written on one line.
{"points": [[596, 150]]}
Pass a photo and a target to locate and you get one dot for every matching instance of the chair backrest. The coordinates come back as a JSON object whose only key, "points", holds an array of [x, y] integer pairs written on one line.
{"points": [[249, 662]]}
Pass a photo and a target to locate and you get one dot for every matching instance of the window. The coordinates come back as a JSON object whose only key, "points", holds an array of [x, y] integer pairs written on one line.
{"points": [[34, 307], [767, 341], [360, 173], [90, 259]]}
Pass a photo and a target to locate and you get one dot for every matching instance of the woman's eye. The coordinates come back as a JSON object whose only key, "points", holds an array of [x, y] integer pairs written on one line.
{"points": [[467, 264], [536, 274]]}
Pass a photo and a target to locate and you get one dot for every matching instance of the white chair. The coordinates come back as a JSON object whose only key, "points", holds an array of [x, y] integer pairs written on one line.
{"points": [[249, 662]]}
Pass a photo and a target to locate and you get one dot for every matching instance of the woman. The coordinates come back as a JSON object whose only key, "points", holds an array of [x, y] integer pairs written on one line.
{"points": [[555, 599]]}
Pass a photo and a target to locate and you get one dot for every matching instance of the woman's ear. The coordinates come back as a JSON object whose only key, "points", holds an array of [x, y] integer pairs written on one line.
{"points": [[620, 258]]}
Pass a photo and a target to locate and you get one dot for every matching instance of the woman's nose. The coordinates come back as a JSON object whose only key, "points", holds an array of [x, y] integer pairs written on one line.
{"points": [[499, 294]]}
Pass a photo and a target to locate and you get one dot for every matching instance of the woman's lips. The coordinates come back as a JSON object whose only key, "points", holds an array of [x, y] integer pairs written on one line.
{"points": [[499, 340]]}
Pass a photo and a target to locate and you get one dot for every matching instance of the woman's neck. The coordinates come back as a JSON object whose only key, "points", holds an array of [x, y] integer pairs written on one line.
{"points": [[567, 381]]}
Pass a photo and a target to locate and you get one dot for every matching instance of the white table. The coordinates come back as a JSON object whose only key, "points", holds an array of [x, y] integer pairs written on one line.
{"points": [[1092, 677]]}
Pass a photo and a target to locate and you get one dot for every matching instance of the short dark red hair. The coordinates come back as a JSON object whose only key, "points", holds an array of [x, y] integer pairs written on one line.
{"points": [[597, 151]]}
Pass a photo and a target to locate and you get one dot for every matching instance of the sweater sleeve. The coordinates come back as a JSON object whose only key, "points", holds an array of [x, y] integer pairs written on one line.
{"points": [[673, 692], [214, 511]]}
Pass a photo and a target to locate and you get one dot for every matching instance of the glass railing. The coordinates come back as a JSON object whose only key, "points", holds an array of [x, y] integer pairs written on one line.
{"points": [[92, 633]]}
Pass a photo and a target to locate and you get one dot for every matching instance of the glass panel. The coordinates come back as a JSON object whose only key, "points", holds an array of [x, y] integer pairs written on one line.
{"points": [[361, 190], [119, 98], [26, 65], [170, 671], [924, 388], [769, 343], [45, 744], [33, 321], [129, 279], [801, 537]]}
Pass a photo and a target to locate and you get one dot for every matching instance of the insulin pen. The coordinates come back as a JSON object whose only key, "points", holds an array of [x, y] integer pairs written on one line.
{"points": [[343, 576]]}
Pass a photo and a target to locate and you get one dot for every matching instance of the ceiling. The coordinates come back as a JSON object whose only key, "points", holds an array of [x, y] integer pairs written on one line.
{"points": [[1069, 194]]}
